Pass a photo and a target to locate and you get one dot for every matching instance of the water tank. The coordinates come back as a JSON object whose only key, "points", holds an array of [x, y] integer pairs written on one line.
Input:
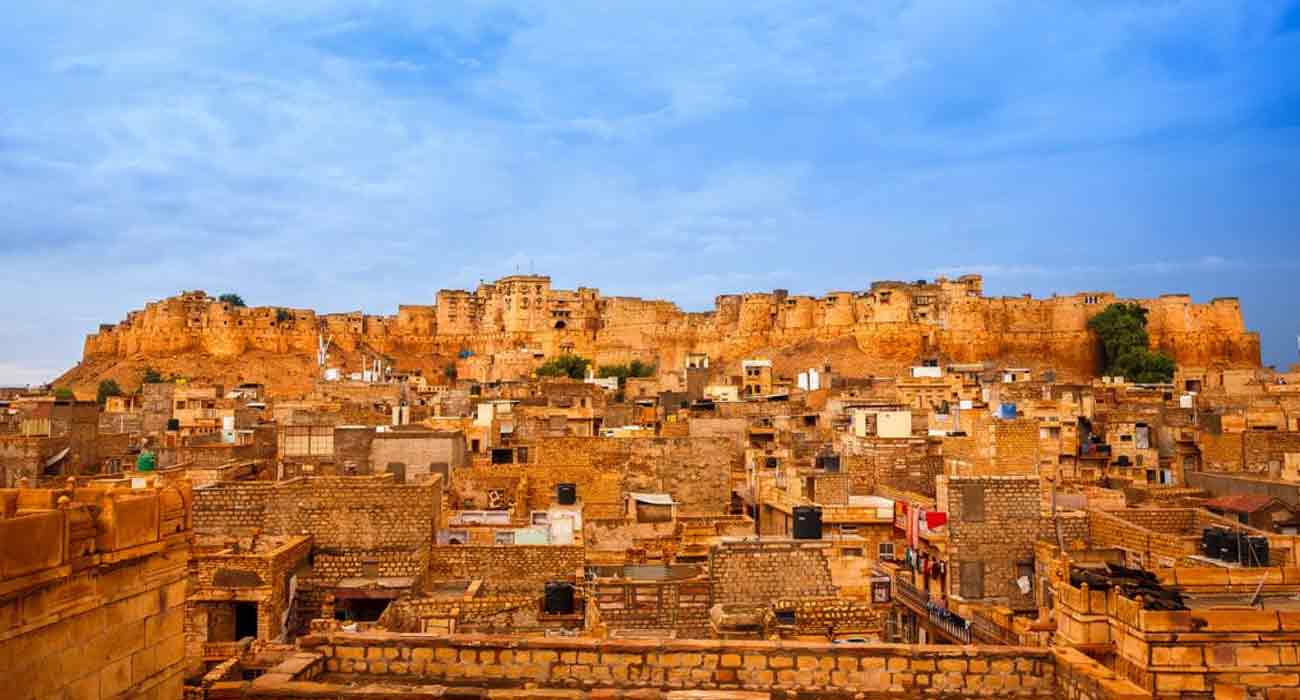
{"points": [[1211, 542], [559, 598], [1256, 553], [173, 424], [807, 523], [1230, 547], [566, 494]]}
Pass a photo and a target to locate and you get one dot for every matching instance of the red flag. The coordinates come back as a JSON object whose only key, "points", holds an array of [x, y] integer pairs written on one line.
{"points": [[935, 519]]}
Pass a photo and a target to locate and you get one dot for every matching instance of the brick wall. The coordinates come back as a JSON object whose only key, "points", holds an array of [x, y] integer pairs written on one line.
{"points": [[1265, 450], [995, 537], [680, 606], [763, 572], [1220, 451], [351, 519], [838, 670], [696, 471], [231, 507], [836, 615], [994, 446], [505, 562]]}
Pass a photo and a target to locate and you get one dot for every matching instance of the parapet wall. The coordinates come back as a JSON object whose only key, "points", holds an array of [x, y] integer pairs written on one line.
{"points": [[92, 592], [830, 670], [764, 572], [511, 563], [340, 512]]}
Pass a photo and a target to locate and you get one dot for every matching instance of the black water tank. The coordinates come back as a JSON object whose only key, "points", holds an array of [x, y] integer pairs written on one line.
{"points": [[1256, 552], [566, 494], [559, 598], [1230, 547], [807, 523], [173, 424], [1211, 542]]}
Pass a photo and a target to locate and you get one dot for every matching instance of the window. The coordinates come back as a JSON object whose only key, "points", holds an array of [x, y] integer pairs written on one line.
{"points": [[1025, 572], [885, 551], [851, 552], [245, 620], [972, 579], [507, 537], [972, 502]]}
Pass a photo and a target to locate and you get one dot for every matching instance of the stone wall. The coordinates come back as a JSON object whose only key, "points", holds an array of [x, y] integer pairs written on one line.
{"points": [[352, 519], [764, 572], [115, 632], [906, 463], [827, 670], [232, 507], [994, 446], [696, 471], [679, 606], [93, 605], [505, 562], [993, 523], [416, 451], [819, 616]]}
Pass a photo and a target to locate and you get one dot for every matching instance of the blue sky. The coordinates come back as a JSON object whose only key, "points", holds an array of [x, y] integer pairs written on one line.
{"points": [[343, 155]]}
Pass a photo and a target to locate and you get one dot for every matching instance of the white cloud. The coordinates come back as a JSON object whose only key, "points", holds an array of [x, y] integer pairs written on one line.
{"points": [[343, 155]]}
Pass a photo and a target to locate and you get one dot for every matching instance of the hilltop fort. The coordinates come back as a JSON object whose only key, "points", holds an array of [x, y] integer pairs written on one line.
{"points": [[889, 325]]}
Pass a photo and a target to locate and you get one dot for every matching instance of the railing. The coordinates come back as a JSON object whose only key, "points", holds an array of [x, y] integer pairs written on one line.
{"points": [[988, 630], [950, 622], [910, 594]]}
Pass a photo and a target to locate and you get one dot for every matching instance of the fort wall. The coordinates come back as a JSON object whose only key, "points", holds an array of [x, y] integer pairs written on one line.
{"points": [[892, 321]]}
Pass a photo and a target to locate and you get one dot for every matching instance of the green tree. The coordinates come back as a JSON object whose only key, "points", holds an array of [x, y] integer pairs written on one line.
{"points": [[570, 366], [635, 368], [450, 371], [232, 299], [63, 393], [1126, 345], [281, 314], [107, 388], [151, 376]]}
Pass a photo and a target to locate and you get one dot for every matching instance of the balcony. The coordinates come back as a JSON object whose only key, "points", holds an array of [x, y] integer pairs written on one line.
{"points": [[911, 596], [948, 623]]}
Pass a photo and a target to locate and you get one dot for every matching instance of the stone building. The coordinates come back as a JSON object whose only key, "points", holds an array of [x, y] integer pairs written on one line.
{"points": [[92, 591]]}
